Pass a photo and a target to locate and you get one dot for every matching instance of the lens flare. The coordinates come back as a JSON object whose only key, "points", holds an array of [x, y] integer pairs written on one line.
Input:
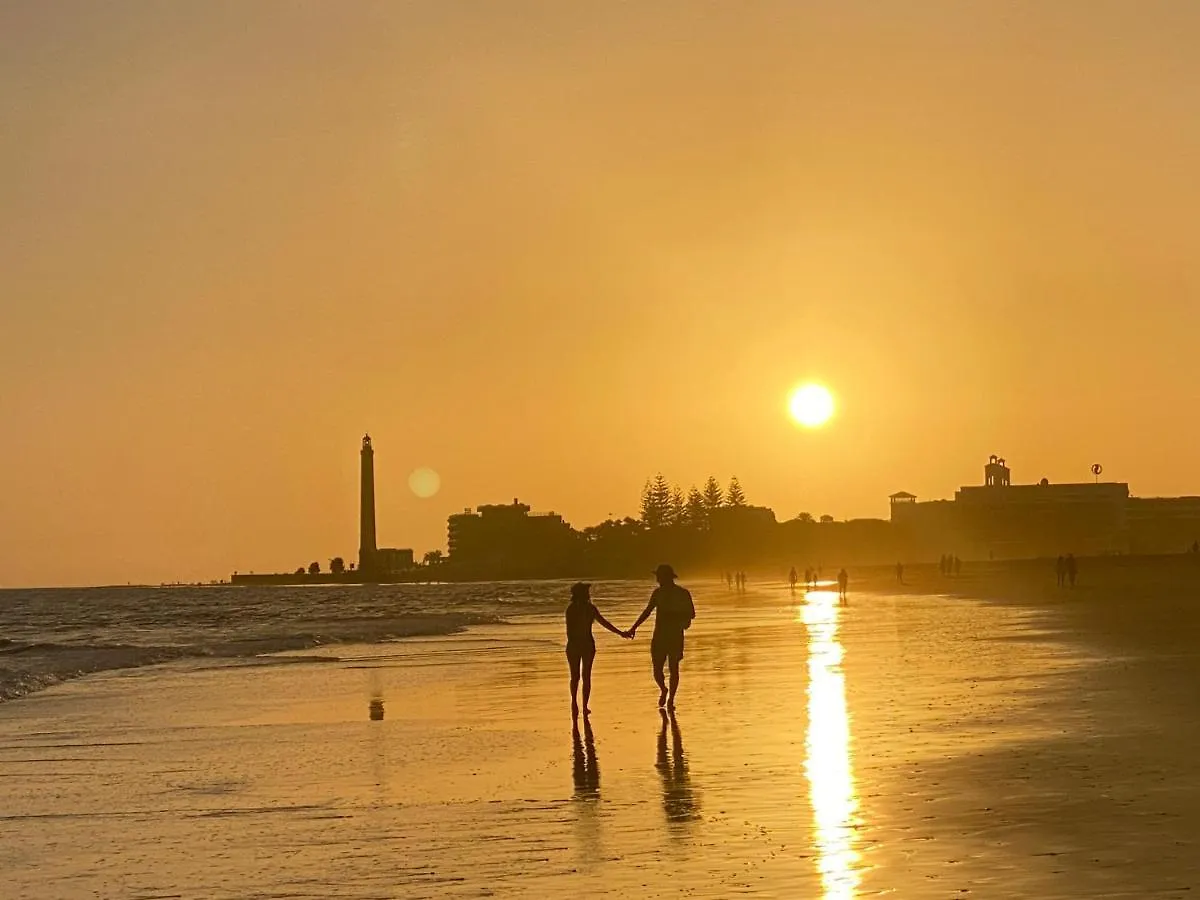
{"points": [[424, 482]]}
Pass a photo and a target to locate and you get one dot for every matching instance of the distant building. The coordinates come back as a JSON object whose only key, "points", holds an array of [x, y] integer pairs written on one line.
{"points": [[1163, 524], [511, 540], [390, 561], [1002, 520]]}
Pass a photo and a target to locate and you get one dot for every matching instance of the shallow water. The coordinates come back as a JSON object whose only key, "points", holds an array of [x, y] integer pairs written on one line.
{"points": [[48, 636]]}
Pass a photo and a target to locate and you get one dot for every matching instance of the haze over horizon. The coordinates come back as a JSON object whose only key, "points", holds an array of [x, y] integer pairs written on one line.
{"points": [[549, 250]]}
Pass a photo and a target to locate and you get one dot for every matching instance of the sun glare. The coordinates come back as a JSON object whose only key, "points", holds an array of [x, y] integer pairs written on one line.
{"points": [[811, 405]]}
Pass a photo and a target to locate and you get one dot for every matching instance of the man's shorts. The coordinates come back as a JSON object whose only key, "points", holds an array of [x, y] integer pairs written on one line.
{"points": [[665, 647]]}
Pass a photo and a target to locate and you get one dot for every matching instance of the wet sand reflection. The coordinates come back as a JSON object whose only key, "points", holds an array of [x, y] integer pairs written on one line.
{"points": [[679, 798], [585, 769], [828, 764]]}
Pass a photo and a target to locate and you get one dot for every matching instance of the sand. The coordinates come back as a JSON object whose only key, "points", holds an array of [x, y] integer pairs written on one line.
{"points": [[911, 745]]}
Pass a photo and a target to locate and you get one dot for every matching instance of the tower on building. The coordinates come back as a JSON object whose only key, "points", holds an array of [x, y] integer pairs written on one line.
{"points": [[996, 473], [366, 522]]}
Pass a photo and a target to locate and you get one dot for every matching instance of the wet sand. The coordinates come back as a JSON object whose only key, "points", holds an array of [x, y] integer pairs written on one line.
{"points": [[916, 745]]}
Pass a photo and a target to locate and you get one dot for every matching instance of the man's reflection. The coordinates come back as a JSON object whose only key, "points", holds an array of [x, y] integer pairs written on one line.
{"points": [[679, 800], [586, 770]]}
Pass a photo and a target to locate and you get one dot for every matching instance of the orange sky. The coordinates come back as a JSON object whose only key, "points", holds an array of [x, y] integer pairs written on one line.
{"points": [[549, 249]]}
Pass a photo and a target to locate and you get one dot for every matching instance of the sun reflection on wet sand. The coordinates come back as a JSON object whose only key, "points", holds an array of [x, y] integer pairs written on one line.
{"points": [[827, 763]]}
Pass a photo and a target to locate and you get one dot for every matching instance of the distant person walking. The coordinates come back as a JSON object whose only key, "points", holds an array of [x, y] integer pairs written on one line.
{"points": [[843, 584], [729, 580], [674, 612], [957, 566], [581, 646], [900, 573], [1072, 569], [944, 565], [793, 579], [1060, 569]]}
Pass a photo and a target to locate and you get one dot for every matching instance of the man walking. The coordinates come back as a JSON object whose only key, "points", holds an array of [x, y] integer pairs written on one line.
{"points": [[675, 611]]}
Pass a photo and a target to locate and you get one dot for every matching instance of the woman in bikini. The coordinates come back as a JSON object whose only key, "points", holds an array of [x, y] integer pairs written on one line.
{"points": [[581, 646]]}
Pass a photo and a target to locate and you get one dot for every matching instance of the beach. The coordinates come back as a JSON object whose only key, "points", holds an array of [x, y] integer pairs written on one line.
{"points": [[911, 745]]}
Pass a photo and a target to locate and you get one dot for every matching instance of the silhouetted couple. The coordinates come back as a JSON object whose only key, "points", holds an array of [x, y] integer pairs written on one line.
{"points": [[674, 611], [1067, 570]]}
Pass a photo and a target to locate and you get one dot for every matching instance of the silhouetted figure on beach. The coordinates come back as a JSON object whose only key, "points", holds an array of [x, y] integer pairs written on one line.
{"points": [[843, 584], [957, 566], [729, 580], [581, 646], [679, 800], [793, 579], [944, 565], [675, 611], [1072, 569], [1060, 570], [900, 573], [585, 769]]}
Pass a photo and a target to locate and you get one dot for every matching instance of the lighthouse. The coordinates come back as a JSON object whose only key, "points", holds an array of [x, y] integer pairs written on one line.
{"points": [[366, 512]]}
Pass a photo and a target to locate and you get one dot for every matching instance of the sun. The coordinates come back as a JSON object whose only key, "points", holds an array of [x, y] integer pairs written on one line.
{"points": [[811, 405]]}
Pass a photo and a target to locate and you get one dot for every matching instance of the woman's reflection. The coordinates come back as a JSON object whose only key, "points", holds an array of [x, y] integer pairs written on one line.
{"points": [[586, 770], [679, 799]]}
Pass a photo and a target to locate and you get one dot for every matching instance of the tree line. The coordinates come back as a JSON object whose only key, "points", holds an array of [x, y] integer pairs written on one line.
{"points": [[665, 505]]}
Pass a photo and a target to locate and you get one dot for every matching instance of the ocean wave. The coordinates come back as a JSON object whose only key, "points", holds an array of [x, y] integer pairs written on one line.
{"points": [[30, 666]]}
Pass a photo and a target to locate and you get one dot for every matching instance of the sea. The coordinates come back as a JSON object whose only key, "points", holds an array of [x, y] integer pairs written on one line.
{"points": [[48, 636]]}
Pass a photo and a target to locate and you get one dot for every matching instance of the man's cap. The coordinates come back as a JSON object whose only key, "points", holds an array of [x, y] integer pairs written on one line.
{"points": [[666, 570]]}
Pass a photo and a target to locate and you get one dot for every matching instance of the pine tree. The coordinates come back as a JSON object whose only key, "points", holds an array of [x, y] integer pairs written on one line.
{"points": [[649, 516], [733, 494], [656, 502], [678, 508], [696, 511], [714, 497], [660, 488]]}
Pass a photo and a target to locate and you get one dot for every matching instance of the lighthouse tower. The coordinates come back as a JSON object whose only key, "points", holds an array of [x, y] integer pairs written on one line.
{"points": [[366, 512]]}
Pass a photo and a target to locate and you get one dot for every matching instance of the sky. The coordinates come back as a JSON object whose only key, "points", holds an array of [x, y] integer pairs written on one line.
{"points": [[550, 249]]}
